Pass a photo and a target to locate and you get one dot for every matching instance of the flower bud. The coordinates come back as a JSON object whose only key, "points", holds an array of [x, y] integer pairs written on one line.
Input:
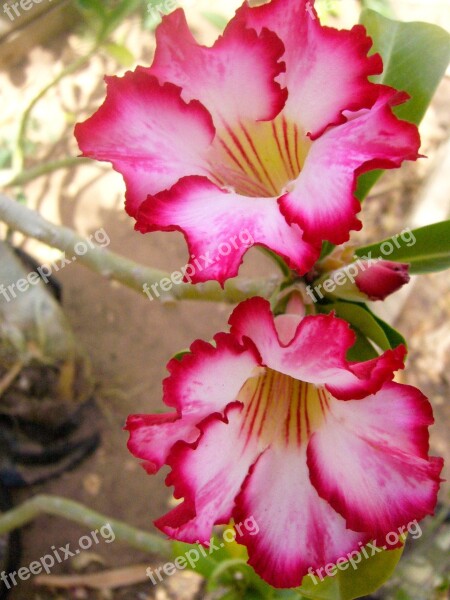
{"points": [[381, 279], [365, 280]]}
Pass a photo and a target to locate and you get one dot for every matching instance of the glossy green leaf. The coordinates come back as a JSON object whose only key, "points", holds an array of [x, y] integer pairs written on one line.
{"points": [[430, 252], [369, 330], [361, 320], [367, 576], [395, 337], [415, 58], [362, 349]]}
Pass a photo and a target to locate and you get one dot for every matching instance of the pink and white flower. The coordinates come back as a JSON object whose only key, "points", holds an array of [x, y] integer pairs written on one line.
{"points": [[272, 422], [266, 130]]}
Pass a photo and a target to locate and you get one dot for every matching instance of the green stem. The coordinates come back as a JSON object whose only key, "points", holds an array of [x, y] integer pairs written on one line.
{"points": [[46, 168], [68, 509], [113, 266], [19, 152], [278, 261]]}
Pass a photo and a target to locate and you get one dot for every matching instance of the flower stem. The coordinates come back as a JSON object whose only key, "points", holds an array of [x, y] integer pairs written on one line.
{"points": [[133, 275], [278, 261], [62, 507], [46, 168], [19, 151]]}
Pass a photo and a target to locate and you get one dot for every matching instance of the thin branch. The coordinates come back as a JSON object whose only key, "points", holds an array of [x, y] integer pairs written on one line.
{"points": [[113, 266], [46, 168], [19, 151], [68, 509]]}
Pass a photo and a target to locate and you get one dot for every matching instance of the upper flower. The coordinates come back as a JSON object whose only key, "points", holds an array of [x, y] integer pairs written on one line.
{"points": [[266, 130], [272, 422]]}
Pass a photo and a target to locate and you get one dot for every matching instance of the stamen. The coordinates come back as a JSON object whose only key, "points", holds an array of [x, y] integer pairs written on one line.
{"points": [[259, 159], [279, 409]]}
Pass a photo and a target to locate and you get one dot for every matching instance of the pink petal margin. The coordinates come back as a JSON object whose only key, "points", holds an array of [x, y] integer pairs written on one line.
{"points": [[208, 476], [234, 79], [298, 530], [326, 207], [317, 351], [149, 134], [204, 382], [327, 69], [220, 226], [369, 460]]}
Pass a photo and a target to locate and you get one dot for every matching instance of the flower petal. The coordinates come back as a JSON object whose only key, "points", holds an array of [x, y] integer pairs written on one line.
{"points": [[297, 529], [149, 134], [234, 79], [221, 226], [325, 207], [209, 475], [369, 460], [153, 436], [209, 378], [316, 353], [204, 382], [367, 377], [327, 69]]}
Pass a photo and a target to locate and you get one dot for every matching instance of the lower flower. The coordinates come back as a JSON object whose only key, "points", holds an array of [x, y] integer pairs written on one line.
{"points": [[272, 422]]}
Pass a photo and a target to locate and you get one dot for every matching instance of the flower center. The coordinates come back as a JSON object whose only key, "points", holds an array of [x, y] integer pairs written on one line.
{"points": [[259, 159], [279, 409]]}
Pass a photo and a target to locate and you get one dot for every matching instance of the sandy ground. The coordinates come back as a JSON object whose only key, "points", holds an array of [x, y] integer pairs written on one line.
{"points": [[130, 339]]}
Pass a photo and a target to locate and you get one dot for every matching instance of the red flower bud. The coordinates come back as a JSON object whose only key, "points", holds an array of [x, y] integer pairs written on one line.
{"points": [[382, 278]]}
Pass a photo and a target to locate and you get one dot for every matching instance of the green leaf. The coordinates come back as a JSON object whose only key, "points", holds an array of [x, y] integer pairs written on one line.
{"points": [[395, 337], [199, 559], [327, 248], [369, 330], [121, 54], [367, 576], [179, 355], [361, 320], [95, 6], [362, 349], [429, 253], [415, 58]]}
